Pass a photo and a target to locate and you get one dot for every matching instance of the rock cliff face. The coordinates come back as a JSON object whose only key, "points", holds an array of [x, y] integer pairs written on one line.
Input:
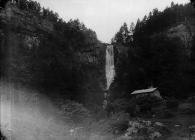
{"points": [[19, 29], [25, 37]]}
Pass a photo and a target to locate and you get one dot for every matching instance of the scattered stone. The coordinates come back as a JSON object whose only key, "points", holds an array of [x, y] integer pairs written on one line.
{"points": [[147, 129], [159, 124], [155, 135]]}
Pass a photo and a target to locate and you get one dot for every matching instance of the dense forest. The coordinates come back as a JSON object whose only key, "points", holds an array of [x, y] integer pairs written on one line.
{"points": [[157, 51], [58, 59], [41, 51]]}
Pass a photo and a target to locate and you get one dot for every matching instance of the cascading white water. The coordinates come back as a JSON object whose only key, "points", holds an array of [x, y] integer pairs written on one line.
{"points": [[110, 71]]}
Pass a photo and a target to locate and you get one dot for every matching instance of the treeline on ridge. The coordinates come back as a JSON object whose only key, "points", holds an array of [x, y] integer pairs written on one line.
{"points": [[157, 51]]}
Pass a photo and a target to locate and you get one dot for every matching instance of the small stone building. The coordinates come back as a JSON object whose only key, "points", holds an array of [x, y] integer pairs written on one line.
{"points": [[147, 92], [145, 104]]}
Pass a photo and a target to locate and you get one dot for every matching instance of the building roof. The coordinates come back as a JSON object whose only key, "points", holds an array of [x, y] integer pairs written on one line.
{"points": [[149, 90]]}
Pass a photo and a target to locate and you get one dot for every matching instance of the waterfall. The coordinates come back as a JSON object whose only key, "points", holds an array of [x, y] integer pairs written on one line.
{"points": [[110, 71]]}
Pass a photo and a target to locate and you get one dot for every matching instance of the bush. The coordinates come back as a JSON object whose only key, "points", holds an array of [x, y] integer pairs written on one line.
{"points": [[147, 129], [75, 112], [172, 103], [147, 102], [187, 108], [131, 108], [166, 114], [120, 105], [120, 123], [116, 124], [191, 99]]}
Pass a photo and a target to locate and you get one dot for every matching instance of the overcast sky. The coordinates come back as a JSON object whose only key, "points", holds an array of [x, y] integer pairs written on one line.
{"points": [[105, 16]]}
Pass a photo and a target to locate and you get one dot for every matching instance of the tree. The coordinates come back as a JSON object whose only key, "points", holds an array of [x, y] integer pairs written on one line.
{"points": [[67, 62], [132, 28], [131, 32], [23, 4], [156, 58], [34, 6], [123, 35]]}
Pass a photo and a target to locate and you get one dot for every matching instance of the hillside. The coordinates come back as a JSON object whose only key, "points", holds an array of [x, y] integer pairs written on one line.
{"points": [[160, 52], [41, 51], [51, 72]]}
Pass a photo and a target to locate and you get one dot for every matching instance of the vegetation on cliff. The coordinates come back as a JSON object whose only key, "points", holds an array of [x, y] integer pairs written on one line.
{"points": [[157, 51], [41, 51]]}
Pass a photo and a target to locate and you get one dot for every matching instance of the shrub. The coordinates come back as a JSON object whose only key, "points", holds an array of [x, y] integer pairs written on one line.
{"points": [[119, 122], [75, 112], [120, 105], [147, 129], [131, 108], [172, 103], [191, 99], [166, 114], [116, 124], [147, 102]]}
